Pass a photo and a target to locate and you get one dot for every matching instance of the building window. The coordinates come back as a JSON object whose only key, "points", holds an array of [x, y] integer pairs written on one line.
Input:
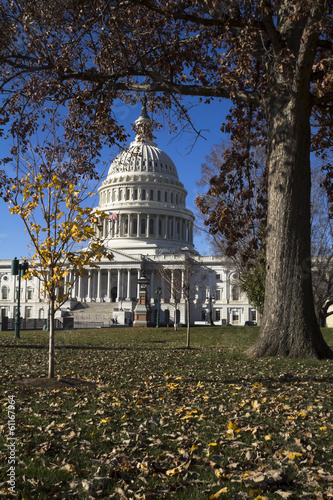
{"points": [[158, 195], [160, 227], [217, 315], [29, 294], [135, 226], [203, 315], [143, 226], [253, 315], [218, 294], [4, 293], [218, 276], [143, 195], [151, 195], [203, 294], [126, 226], [135, 194], [151, 227], [171, 198], [166, 196], [127, 194], [28, 312], [235, 316], [235, 292]]}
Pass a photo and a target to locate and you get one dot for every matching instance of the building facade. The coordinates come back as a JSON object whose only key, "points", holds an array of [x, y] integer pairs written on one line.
{"points": [[149, 230]]}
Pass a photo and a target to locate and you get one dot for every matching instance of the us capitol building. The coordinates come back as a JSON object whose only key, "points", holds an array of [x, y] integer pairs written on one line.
{"points": [[149, 230]]}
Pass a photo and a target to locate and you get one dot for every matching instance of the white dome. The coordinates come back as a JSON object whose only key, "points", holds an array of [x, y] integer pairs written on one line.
{"points": [[145, 199], [144, 157]]}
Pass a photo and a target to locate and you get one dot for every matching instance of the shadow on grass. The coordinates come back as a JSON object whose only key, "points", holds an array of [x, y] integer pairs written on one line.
{"points": [[102, 348]]}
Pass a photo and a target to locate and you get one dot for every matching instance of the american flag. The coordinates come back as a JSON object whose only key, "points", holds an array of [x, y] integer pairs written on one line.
{"points": [[112, 216]]}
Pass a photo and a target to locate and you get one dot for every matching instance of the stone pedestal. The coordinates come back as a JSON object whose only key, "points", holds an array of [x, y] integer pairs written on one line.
{"points": [[142, 312]]}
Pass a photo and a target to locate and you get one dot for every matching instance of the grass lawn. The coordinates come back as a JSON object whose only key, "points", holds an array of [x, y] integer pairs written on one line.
{"points": [[161, 421]]}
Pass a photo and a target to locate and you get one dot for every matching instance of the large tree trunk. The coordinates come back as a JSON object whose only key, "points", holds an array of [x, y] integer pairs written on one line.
{"points": [[289, 325]]}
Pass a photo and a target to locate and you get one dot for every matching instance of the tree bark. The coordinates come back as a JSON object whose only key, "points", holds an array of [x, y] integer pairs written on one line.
{"points": [[51, 341], [188, 316], [289, 325]]}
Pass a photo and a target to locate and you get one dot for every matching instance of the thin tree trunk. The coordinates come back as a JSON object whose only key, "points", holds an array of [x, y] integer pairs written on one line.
{"points": [[188, 323], [51, 340], [289, 326]]}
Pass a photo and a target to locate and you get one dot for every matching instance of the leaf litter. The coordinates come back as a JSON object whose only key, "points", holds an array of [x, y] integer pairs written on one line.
{"points": [[170, 423]]}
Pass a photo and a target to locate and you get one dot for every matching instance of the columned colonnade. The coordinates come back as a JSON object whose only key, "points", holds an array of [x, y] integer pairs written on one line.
{"points": [[147, 225]]}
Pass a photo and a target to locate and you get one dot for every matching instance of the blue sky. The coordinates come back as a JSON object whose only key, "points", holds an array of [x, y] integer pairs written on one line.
{"points": [[206, 117]]}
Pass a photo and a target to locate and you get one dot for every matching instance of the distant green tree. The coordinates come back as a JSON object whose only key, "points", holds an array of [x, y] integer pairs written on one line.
{"points": [[252, 282]]}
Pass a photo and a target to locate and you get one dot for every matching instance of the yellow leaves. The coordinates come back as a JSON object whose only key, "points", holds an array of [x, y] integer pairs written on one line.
{"points": [[105, 420], [218, 493], [174, 471], [232, 430], [292, 454], [302, 415], [178, 470]]}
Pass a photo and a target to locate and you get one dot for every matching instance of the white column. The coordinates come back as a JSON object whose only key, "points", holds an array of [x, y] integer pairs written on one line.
{"points": [[138, 286], [79, 288], [172, 283], [182, 290], [128, 284], [74, 284], [157, 222], [108, 289], [138, 225], [98, 294], [118, 285], [89, 287], [147, 228]]}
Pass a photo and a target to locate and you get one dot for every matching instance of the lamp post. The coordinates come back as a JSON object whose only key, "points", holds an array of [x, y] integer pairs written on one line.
{"points": [[158, 292], [18, 270]]}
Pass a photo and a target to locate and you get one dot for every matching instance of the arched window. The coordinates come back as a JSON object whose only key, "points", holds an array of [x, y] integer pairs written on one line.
{"points": [[165, 196], [158, 195], [135, 226], [143, 194], [135, 194], [171, 198], [126, 226], [151, 195], [235, 292], [4, 293]]}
